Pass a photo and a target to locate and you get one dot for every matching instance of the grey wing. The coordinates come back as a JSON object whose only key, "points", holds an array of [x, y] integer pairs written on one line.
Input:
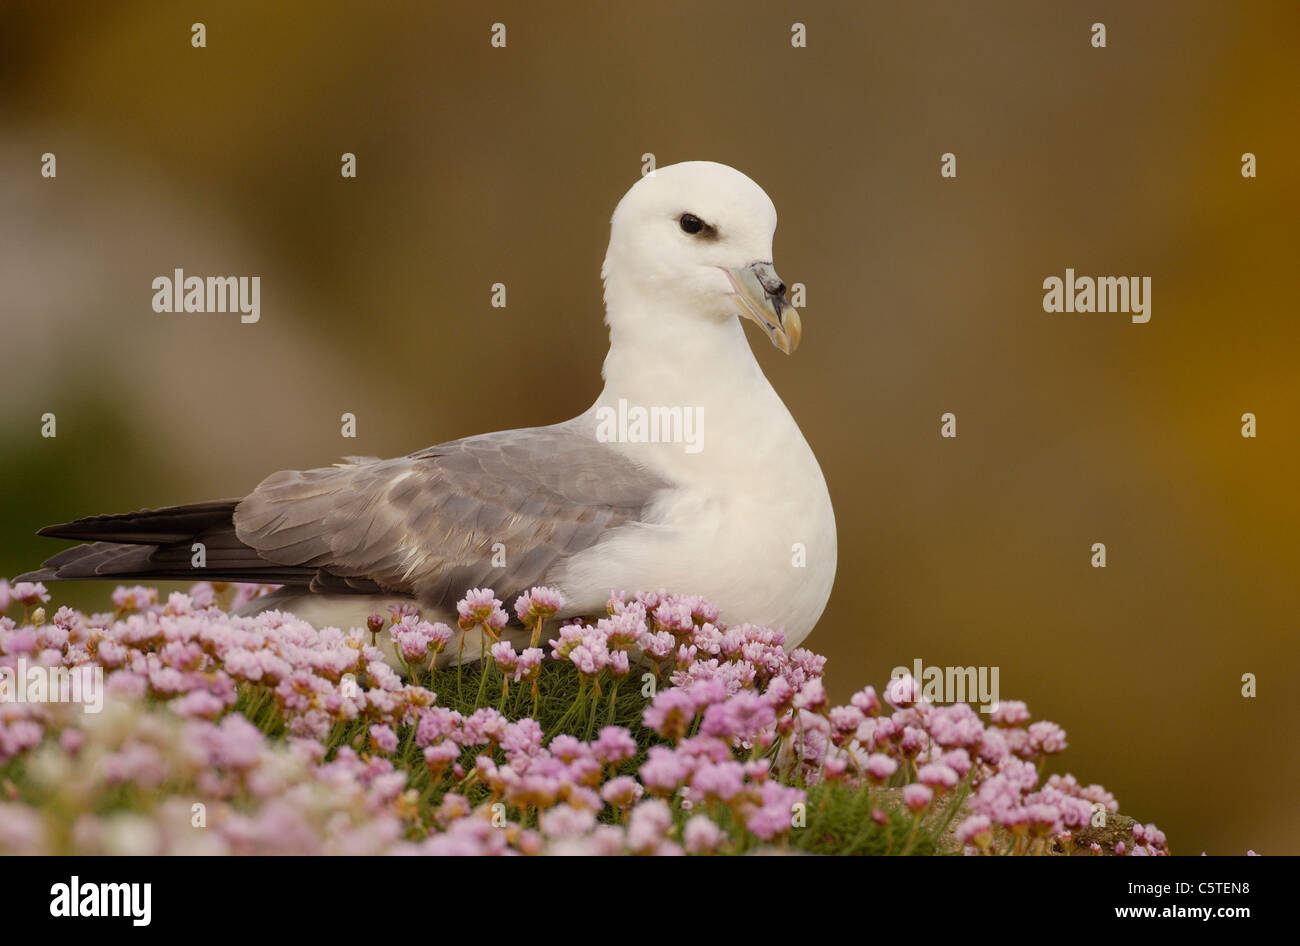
{"points": [[440, 521]]}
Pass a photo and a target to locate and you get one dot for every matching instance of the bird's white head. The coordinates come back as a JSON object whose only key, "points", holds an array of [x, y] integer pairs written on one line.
{"points": [[695, 241]]}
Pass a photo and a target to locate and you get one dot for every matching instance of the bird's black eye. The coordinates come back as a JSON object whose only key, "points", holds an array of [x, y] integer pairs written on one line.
{"points": [[691, 223]]}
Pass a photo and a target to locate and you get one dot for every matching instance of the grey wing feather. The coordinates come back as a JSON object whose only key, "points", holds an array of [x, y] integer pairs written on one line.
{"points": [[426, 525]]}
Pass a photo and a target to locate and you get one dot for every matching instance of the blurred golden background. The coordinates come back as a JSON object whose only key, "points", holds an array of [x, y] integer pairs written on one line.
{"points": [[479, 165]]}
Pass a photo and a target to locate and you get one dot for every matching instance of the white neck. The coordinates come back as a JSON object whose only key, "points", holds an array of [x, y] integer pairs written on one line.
{"points": [[659, 357]]}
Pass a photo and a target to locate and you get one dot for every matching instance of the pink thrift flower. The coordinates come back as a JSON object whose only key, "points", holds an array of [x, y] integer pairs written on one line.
{"points": [[812, 697], [622, 792], [529, 666], [658, 646], [742, 716], [567, 748], [937, 776], [613, 745], [590, 661], [976, 830], [866, 701], [903, 691], [955, 726], [453, 807], [779, 695], [570, 636], [565, 820], [439, 635], [624, 630], [20, 642], [134, 599], [917, 797], [438, 758], [522, 740], [1010, 713], [619, 665], [1047, 738], [913, 741], [701, 835], [663, 771], [958, 760], [505, 657], [51, 636], [675, 618], [412, 639], [480, 607], [484, 727], [772, 817], [834, 768], [722, 781], [670, 714], [845, 721], [203, 595], [199, 704], [29, 593], [383, 739], [805, 665], [1043, 819], [993, 747], [647, 824], [538, 604]]}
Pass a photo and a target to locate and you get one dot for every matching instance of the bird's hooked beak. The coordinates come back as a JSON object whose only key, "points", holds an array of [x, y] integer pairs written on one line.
{"points": [[760, 296]]}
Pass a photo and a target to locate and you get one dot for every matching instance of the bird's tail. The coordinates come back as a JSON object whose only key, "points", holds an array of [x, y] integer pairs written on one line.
{"points": [[196, 542]]}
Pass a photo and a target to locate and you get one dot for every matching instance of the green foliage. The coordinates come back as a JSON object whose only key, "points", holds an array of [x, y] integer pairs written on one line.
{"points": [[839, 822]]}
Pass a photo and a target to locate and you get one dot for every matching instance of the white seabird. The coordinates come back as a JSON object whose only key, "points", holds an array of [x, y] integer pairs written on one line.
{"points": [[742, 516]]}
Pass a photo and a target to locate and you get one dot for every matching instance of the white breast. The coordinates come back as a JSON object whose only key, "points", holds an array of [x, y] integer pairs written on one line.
{"points": [[749, 524]]}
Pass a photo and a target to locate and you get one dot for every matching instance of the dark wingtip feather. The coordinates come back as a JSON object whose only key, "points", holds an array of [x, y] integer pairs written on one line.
{"points": [[44, 574], [146, 526]]}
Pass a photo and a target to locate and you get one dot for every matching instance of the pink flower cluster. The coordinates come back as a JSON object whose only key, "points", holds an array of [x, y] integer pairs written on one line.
{"points": [[744, 716], [736, 734]]}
